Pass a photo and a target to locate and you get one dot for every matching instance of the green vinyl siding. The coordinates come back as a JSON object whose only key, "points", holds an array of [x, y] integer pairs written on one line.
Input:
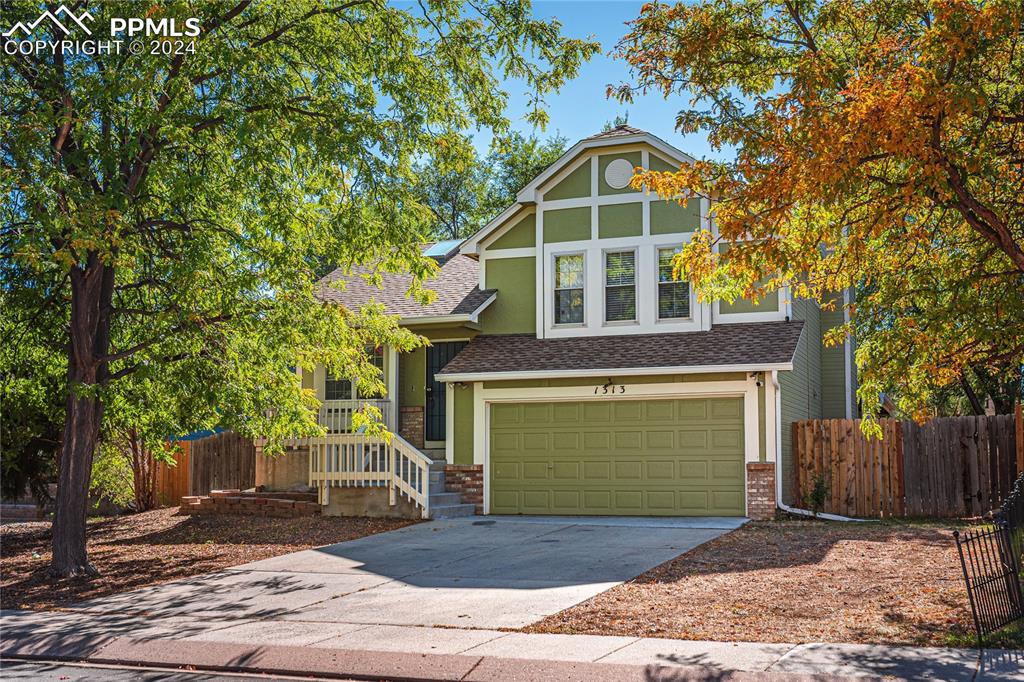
{"points": [[628, 457], [567, 225], [767, 304], [661, 165], [833, 366], [620, 220], [603, 188], [412, 372], [521, 235], [573, 186], [669, 217], [462, 421], [515, 309], [800, 388]]}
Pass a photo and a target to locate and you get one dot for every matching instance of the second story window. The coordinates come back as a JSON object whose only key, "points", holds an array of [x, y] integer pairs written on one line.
{"points": [[620, 286], [569, 289], [673, 295]]}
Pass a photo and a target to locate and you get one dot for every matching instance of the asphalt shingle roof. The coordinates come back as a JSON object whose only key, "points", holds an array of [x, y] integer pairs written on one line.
{"points": [[455, 284], [617, 131], [750, 343]]}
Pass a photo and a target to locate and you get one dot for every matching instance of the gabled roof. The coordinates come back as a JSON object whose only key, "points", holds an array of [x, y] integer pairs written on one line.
{"points": [[458, 296], [752, 346], [619, 135]]}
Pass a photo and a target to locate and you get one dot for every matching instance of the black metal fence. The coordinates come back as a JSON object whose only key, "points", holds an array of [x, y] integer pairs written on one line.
{"points": [[991, 560]]}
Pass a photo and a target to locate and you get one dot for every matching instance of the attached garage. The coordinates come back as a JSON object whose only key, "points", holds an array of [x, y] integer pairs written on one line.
{"points": [[652, 457]]}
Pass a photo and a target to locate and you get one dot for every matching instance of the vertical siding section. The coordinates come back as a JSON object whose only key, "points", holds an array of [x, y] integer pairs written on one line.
{"points": [[800, 388]]}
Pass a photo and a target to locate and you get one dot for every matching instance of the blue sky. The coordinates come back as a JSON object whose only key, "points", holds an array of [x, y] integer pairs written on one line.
{"points": [[581, 108]]}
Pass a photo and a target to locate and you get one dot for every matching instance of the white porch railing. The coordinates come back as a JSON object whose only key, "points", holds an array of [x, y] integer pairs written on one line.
{"points": [[336, 415], [357, 460]]}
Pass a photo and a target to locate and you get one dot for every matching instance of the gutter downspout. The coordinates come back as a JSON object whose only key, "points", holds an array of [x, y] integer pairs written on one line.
{"points": [[778, 463]]}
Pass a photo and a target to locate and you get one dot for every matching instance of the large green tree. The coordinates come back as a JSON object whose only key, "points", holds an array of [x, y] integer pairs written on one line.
{"points": [[879, 147], [170, 209], [464, 191]]}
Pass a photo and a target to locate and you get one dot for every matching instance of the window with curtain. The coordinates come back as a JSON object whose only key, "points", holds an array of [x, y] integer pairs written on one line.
{"points": [[569, 289], [673, 295], [620, 286]]}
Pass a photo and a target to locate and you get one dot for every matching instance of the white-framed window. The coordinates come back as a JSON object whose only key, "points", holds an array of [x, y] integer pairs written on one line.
{"points": [[673, 295], [336, 388], [620, 286], [569, 278]]}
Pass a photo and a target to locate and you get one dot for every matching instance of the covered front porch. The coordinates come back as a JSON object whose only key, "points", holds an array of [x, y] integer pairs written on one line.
{"points": [[358, 473]]}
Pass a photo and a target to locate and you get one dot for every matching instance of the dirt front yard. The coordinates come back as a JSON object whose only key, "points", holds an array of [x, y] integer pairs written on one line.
{"points": [[157, 546], [793, 581]]}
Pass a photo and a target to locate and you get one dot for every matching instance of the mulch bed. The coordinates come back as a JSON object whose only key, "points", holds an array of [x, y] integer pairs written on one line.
{"points": [[154, 547], [792, 581]]}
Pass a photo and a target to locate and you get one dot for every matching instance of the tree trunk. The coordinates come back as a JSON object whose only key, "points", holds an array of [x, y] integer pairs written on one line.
{"points": [[89, 343]]}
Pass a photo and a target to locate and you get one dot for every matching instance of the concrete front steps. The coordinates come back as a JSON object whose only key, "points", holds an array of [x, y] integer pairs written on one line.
{"points": [[444, 505]]}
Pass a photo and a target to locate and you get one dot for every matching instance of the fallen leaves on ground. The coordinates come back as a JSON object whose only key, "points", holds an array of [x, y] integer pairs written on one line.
{"points": [[153, 547], [792, 581]]}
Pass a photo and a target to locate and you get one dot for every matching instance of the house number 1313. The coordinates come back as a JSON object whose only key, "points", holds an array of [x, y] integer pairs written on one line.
{"points": [[610, 389]]}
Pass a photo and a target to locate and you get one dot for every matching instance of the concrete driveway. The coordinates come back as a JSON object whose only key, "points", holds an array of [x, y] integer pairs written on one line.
{"points": [[482, 572]]}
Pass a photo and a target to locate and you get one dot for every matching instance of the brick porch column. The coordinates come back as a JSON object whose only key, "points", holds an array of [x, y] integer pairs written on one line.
{"points": [[410, 425], [761, 490]]}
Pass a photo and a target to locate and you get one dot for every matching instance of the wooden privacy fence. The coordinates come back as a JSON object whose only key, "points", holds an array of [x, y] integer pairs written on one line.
{"points": [[951, 466], [172, 482], [222, 461]]}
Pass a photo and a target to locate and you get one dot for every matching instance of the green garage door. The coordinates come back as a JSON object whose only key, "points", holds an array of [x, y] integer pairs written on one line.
{"points": [[621, 457]]}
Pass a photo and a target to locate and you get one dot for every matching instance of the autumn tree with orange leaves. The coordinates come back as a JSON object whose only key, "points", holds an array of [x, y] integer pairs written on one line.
{"points": [[880, 146]]}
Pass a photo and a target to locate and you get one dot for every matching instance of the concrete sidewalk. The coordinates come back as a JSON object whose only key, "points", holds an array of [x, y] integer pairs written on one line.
{"points": [[411, 652]]}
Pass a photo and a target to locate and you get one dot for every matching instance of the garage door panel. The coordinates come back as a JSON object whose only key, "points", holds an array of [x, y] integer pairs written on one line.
{"points": [[565, 470], [628, 470], [726, 470], [568, 440], [536, 441], [566, 413], [597, 412], [536, 470], [726, 439], [590, 459], [505, 442], [660, 410], [504, 414], [693, 440], [566, 500], [597, 470], [537, 413], [663, 470], [629, 440], [693, 471], [632, 411], [660, 440], [692, 409], [596, 440]]}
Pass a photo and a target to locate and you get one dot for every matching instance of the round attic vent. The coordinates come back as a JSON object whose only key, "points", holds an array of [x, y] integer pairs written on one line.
{"points": [[618, 173]]}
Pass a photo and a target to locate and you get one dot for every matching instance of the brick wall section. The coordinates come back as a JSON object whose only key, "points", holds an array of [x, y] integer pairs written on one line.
{"points": [[236, 502], [761, 490], [410, 425], [468, 481]]}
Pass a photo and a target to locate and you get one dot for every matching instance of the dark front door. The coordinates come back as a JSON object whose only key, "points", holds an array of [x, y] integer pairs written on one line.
{"points": [[438, 355]]}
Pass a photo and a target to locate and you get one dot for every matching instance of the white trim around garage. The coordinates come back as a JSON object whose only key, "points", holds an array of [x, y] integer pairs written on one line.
{"points": [[484, 398]]}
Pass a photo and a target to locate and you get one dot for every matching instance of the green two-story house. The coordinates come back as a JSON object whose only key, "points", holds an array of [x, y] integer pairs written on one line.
{"points": [[568, 373]]}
